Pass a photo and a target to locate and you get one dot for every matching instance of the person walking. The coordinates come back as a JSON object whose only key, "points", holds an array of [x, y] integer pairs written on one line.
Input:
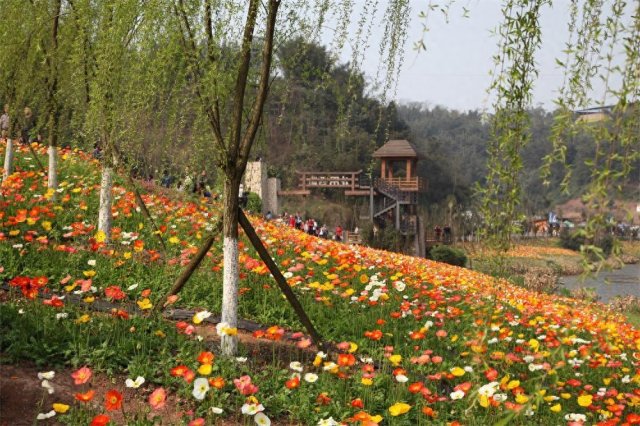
{"points": [[28, 134], [4, 122]]}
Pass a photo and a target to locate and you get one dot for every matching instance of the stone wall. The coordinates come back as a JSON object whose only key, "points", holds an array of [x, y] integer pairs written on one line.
{"points": [[270, 201], [256, 181]]}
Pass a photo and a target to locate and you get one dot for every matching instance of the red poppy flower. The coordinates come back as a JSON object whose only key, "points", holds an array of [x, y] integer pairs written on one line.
{"points": [[357, 403], [323, 399], [179, 371], [491, 374], [416, 387], [119, 313], [206, 358], [293, 383], [113, 400], [633, 419], [114, 292], [428, 411], [55, 302], [100, 420], [373, 335]]}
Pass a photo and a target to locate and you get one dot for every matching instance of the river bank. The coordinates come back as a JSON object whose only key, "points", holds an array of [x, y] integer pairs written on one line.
{"points": [[543, 266]]}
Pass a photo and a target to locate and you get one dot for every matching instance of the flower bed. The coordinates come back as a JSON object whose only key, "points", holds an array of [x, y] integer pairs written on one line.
{"points": [[417, 341]]}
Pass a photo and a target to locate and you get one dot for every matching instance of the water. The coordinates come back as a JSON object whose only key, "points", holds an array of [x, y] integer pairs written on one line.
{"points": [[609, 284]]}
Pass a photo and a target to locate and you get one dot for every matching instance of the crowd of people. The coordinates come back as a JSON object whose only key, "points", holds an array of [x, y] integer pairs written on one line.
{"points": [[310, 226]]}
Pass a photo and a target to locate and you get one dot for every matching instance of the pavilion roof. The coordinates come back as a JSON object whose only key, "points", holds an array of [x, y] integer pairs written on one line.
{"points": [[398, 148]]}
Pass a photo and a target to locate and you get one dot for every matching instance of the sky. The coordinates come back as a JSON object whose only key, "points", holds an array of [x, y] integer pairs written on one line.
{"points": [[454, 70]]}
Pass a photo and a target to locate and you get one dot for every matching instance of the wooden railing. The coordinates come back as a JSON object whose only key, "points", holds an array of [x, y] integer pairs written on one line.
{"points": [[415, 184]]}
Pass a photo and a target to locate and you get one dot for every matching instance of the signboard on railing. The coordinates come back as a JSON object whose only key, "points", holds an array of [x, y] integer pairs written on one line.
{"points": [[329, 179]]}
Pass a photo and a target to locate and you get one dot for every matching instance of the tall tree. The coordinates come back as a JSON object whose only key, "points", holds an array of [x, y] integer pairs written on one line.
{"points": [[52, 60], [232, 137], [111, 88]]}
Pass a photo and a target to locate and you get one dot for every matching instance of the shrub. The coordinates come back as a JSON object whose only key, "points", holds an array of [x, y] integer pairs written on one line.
{"points": [[572, 240], [447, 254], [606, 244], [254, 203]]}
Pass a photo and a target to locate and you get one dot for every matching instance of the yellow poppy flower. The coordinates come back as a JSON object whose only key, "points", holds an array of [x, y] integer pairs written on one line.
{"points": [[399, 408]]}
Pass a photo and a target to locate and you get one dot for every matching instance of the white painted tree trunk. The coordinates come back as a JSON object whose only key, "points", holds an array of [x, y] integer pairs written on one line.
{"points": [[8, 160], [52, 180], [229, 344], [104, 214]]}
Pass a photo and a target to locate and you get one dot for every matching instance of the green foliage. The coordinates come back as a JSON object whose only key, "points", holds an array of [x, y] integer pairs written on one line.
{"points": [[571, 240], [254, 203], [606, 243], [448, 254], [321, 115], [387, 238], [577, 240]]}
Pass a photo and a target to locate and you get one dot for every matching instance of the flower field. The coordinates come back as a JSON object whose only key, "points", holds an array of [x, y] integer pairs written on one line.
{"points": [[417, 342]]}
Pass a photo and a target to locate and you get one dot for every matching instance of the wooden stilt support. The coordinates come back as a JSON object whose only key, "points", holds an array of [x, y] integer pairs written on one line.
{"points": [[280, 280], [35, 157], [192, 266], [139, 200], [145, 212]]}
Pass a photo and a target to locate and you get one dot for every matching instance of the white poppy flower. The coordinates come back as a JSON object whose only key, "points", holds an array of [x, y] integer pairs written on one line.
{"points": [[44, 416], [310, 377], [48, 375], [135, 383], [200, 388]]}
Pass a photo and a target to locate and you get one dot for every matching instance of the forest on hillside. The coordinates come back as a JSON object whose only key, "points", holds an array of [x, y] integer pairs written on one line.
{"points": [[320, 115]]}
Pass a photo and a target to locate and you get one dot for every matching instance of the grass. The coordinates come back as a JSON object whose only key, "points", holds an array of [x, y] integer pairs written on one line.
{"points": [[408, 331], [633, 318]]}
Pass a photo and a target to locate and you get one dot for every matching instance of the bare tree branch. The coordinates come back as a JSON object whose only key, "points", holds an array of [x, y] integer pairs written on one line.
{"points": [[263, 88], [241, 86], [190, 46]]}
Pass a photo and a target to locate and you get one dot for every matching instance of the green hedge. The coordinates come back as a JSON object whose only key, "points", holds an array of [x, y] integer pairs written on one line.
{"points": [[448, 254]]}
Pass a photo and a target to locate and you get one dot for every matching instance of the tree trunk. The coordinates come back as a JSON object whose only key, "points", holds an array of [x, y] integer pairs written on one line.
{"points": [[52, 180], [229, 344], [8, 160], [104, 214]]}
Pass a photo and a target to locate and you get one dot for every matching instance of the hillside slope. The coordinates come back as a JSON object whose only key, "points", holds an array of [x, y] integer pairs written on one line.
{"points": [[417, 340]]}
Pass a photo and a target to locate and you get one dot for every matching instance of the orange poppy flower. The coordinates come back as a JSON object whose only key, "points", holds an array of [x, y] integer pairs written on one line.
{"points": [[85, 397], [346, 360]]}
